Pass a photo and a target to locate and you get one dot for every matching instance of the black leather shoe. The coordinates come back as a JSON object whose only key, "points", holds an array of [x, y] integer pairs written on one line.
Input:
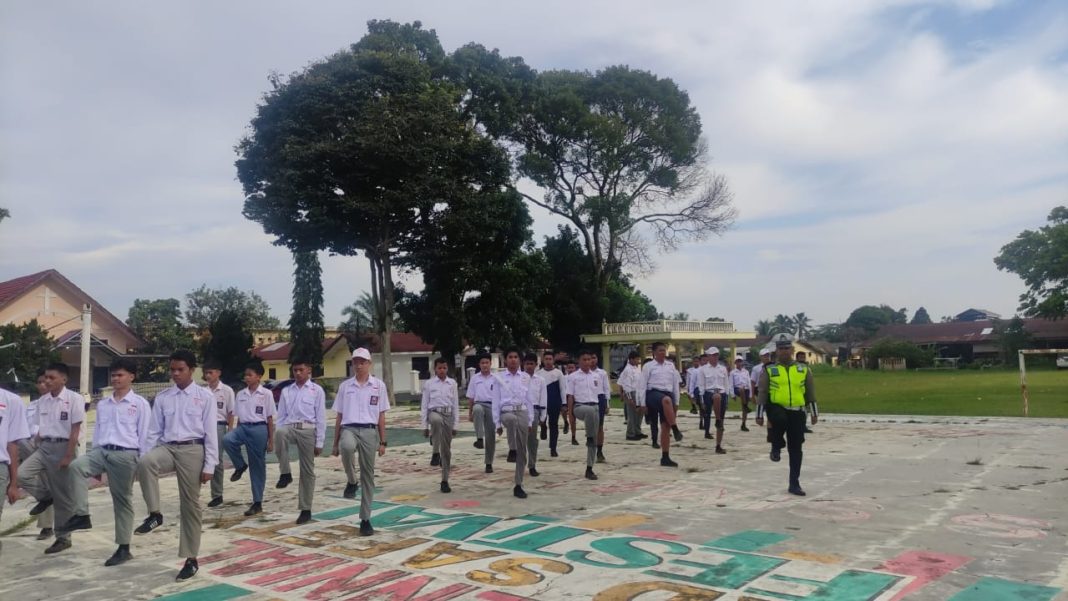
{"points": [[189, 570], [304, 517], [553, 453], [775, 455], [61, 544], [656, 445], [744, 429], [635, 437], [78, 522], [565, 426], [667, 462], [678, 433], [435, 460], [796, 490], [489, 469], [642, 436], [479, 444], [215, 502], [574, 441], [445, 487], [534, 472], [708, 436], [511, 456], [254, 509], [350, 491], [365, 528], [544, 434], [151, 523], [519, 492], [45, 534], [39, 508], [600, 457], [590, 475], [284, 480], [120, 556], [234, 477], [720, 451]]}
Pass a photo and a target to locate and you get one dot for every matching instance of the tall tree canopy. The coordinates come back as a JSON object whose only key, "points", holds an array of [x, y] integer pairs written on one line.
{"points": [[617, 153], [1041, 259], [869, 318], [158, 323], [204, 305], [306, 328], [228, 341], [347, 154], [30, 351], [921, 317]]}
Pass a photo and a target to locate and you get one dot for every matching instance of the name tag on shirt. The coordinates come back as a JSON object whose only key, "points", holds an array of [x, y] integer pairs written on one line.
{"points": [[63, 416], [259, 410], [374, 400], [220, 404]]}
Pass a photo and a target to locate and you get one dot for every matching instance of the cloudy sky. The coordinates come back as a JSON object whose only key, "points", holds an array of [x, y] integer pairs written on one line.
{"points": [[879, 151]]}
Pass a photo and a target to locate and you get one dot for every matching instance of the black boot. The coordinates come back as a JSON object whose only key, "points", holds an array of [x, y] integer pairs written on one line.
{"points": [[435, 460], [120, 556], [189, 570]]}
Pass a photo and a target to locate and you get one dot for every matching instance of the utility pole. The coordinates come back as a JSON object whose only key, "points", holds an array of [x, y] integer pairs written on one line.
{"points": [[86, 386]]}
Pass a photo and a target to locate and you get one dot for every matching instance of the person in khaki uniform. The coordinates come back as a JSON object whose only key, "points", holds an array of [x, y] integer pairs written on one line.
{"points": [[183, 426], [120, 437], [13, 430], [512, 409], [26, 448], [301, 423], [440, 413], [224, 421], [60, 415], [360, 430]]}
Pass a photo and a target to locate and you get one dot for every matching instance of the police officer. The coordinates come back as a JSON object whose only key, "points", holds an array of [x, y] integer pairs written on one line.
{"points": [[360, 430], [786, 389], [440, 412]]}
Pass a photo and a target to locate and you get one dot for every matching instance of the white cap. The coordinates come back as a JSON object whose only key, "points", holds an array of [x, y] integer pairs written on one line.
{"points": [[361, 353], [739, 358], [765, 351], [711, 351]]}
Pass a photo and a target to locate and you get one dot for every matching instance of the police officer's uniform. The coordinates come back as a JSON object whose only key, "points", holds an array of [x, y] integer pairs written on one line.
{"points": [[786, 389]]}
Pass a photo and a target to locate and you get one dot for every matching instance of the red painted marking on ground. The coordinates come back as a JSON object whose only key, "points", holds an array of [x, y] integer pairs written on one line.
{"points": [[999, 526], [656, 534], [924, 566], [461, 504]]}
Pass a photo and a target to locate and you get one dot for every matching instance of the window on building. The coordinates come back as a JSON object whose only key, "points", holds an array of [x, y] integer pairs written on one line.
{"points": [[272, 374]]}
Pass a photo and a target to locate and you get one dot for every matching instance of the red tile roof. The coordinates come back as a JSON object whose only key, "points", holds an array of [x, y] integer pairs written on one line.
{"points": [[279, 351], [401, 342], [12, 289]]}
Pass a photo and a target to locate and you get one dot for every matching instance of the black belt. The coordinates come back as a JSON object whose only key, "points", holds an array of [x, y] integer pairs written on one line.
{"points": [[589, 404], [539, 407], [181, 443], [51, 439], [252, 424], [115, 447], [484, 402], [359, 425], [221, 423]]}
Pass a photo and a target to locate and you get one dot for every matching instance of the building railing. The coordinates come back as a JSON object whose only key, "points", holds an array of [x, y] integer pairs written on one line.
{"points": [[664, 326]]}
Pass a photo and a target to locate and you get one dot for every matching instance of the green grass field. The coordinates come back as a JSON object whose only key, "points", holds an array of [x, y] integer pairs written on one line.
{"points": [[992, 392]]}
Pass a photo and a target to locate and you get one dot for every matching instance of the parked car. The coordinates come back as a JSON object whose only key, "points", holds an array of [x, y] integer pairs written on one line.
{"points": [[276, 387]]}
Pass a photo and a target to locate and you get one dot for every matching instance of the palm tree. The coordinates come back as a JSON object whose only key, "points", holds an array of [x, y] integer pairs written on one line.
{"points": [[764, 327], [783, 323], [359, 316], [803, 325]]}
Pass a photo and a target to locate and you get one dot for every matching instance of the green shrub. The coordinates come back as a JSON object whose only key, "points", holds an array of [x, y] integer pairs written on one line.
{"points": [[914, 356]]}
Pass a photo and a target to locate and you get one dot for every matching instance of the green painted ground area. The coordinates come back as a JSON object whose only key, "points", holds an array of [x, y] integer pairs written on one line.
{"points": [[215, 592]]}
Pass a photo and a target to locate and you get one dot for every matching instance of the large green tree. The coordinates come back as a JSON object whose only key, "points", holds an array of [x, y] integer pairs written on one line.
{"points": [[306, 328], [158, 322], [617, 153], [228, 341], [869, 318], [204, 305], [31, 349], [920, 317], [1040, 258], [802, 325], [346, 154]]}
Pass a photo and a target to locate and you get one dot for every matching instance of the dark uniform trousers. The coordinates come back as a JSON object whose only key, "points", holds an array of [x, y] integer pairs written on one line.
{"points": [[554, 405], [788, 423]]}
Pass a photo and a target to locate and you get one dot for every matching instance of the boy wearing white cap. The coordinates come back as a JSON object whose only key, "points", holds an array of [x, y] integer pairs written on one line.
{"points": [[714, 382], [360, 430], [742, 387]]}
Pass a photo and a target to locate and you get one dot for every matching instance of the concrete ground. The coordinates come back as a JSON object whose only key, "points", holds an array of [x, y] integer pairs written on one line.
{"points": [[942, 508]]}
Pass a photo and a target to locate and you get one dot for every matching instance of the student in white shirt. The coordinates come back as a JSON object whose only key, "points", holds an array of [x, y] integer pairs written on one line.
{"points": [[26, 448], [583, 388], [715, 386], [628, 386], [754, 376], [570, 367], [120, 438], [224, 421], [183, 429], [742, 387], [480, 391], [301, 424], [255, 411], [538, 393], [440, 413], [602, 406], [360, 429], [659, 385], [13, 429], [60, 415], [512, 410]]}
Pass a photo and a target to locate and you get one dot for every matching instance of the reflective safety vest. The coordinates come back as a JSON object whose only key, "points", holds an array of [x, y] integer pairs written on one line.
{"points": [[786, 384]]}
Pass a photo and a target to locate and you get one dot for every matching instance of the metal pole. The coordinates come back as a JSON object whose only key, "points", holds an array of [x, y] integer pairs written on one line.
{"points": [[1023, 383], [86, 385]]}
